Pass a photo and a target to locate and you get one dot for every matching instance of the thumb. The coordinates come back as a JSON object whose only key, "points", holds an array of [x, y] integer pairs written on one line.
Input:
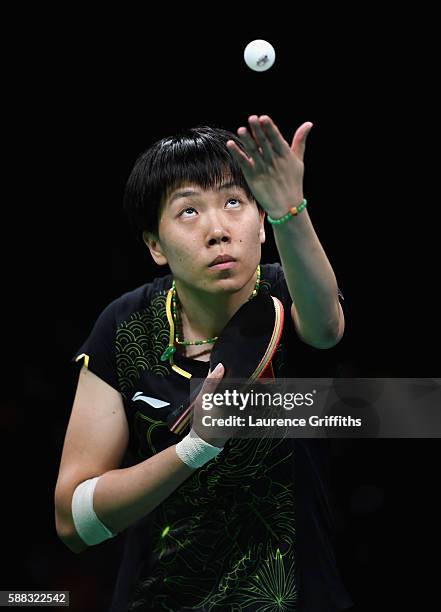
{"points": [[299, 139], [213, 378], [218, 371]]}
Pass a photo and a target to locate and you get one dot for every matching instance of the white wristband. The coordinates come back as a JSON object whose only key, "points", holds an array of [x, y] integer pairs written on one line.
{"points": [[89, 527], [194, 451]]}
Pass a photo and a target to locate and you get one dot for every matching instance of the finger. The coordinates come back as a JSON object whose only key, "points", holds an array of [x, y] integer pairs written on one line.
{"points": [[250, 146], [278, 143], [260, 138], [213, 379], [218, 372], [219, 369], [299, 140], [240, 155], [210, 384]]}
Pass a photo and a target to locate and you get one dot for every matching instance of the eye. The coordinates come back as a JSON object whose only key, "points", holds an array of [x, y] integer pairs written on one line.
{"points": [[184, 210], [234, 200]]}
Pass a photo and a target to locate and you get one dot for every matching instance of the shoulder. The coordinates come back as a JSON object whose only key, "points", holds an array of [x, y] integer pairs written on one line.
{"points": [[138, 299], [126, 328]]}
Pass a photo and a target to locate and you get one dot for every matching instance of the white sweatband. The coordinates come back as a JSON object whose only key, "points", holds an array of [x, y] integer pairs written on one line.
{"points": [[194, 451], [89, 527]]}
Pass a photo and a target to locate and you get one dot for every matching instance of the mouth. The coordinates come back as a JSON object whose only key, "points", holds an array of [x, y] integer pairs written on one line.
{"points": [[222, 262], [223, 266]]}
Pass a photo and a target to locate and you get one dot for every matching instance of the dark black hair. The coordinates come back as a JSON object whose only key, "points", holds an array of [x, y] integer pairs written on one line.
{"points": [[197, 155]]}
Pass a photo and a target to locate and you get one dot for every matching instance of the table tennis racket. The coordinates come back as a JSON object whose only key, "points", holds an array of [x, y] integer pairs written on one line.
{"points": [[245, 346]]}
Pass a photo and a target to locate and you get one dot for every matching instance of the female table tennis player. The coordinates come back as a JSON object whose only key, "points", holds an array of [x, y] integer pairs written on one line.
{"points": [[209, 523]]}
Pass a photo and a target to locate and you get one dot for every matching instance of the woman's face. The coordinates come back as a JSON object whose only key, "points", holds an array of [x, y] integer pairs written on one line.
{"points": [[198, 225]]}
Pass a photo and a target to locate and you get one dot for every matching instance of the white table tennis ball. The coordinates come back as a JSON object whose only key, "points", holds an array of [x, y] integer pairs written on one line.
{"points": [[259, 55]]}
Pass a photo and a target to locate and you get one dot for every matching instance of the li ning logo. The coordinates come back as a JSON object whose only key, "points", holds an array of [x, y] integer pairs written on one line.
{"points": [[152, 401]]}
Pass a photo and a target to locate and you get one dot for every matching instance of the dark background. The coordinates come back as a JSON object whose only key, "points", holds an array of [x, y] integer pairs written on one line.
{"points": [[90, 93]]}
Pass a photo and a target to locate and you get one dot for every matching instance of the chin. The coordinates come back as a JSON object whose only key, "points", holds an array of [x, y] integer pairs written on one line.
{"points": [[229, 284]]}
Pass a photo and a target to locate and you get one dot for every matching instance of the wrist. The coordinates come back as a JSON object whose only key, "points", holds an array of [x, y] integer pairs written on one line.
{"points": [[277, 210], [194, 451], [218, 442], [292, 212]]}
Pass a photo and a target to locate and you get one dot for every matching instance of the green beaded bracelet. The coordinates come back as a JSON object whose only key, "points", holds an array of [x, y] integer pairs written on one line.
{"points": [[295, 210]]}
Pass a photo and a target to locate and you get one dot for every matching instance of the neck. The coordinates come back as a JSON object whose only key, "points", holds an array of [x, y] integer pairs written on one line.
{"points": [[204, 315]]}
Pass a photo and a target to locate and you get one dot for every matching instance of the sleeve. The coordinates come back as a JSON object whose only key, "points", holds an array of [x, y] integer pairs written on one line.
{"points": [[98, 352]]}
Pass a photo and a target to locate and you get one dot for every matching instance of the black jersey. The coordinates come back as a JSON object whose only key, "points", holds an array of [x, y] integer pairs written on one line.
{"points": [[250, 530]]}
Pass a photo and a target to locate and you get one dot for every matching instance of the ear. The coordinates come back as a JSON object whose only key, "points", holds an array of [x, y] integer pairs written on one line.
{"points": [[155, 248], [262, 226]]}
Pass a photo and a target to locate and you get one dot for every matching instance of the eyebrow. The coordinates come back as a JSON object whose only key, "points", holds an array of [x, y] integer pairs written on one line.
{"points": [[189, 192]]}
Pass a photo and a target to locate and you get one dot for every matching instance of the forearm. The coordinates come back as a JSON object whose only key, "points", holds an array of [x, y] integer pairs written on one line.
{"points": [[123, 496], [310, 278]]}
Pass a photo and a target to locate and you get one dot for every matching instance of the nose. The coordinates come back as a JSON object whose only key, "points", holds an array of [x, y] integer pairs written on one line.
{"points": [[218, 234]]}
